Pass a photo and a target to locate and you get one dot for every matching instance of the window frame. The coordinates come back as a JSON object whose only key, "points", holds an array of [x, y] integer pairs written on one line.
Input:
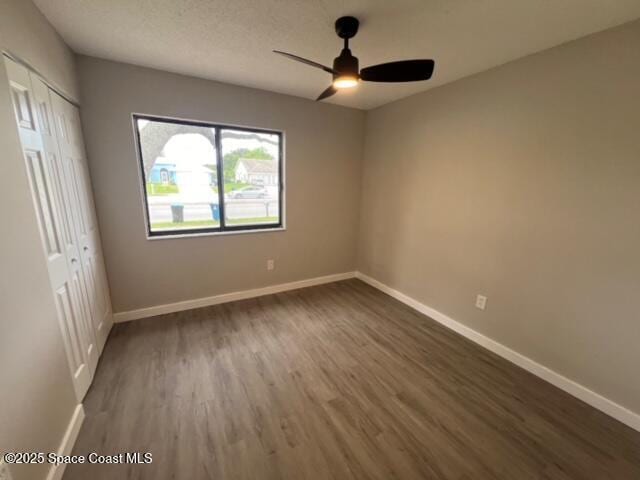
{"points": [[222, 229]]}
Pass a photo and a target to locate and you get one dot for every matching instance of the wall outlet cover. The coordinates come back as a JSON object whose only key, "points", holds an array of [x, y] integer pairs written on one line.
{"points": [[271, 264], [481, 302]]}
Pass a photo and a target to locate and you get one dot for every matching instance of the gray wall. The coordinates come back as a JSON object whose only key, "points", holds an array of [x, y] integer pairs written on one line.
{"points": [[323, 154], [26, 32], [521, 183], [36, 395]]}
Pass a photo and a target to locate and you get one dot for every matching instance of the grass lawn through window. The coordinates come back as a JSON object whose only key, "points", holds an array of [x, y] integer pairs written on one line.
{"points": [[157, 189], [211, 223]]}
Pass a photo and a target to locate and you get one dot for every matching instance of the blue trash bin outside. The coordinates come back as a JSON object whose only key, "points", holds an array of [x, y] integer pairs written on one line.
{"points": [[215, 211]]}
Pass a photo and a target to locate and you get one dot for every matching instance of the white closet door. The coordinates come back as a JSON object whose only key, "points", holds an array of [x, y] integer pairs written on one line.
{"points": [[46, 177], [92, 250], [70, 141], [43, 99]]}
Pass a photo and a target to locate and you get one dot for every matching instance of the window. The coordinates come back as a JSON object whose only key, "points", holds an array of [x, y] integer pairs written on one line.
{"points": [[201, 178]]}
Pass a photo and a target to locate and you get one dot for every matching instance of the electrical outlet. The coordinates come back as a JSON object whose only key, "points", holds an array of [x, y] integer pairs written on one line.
{"points": [[271, 264], [5, 474], [481, 302]]}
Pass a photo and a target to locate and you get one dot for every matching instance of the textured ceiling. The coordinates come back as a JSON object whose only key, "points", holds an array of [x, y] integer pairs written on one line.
{"points": [[231, 40]]}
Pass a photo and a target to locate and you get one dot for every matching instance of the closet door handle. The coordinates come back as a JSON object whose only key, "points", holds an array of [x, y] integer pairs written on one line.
{"points": [[74, 260], [86, 249]]}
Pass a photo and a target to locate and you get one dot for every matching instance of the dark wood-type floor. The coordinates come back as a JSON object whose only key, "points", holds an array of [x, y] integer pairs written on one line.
{"points": [[333, 382]]}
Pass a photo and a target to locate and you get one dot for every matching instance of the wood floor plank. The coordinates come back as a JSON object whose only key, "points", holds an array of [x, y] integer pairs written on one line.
{"points": [[334, 382]]}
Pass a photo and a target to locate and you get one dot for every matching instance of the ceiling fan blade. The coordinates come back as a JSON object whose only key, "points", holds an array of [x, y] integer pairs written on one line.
{"points": [[402, 71], [307, 62], [327, 93]]}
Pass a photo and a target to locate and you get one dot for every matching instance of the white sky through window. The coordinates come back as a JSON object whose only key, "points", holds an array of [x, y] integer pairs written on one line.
{"points": [[195, 147]]}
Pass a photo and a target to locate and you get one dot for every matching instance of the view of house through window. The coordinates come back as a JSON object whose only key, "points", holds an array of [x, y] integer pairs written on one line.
{"points": [[251, 177], [200, 177]]}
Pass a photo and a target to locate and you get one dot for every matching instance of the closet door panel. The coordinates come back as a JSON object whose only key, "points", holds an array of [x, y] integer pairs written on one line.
{"points": [[103, 300], [68, 121]]}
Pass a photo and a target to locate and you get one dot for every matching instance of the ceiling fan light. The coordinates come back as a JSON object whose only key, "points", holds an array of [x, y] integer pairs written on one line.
{"points": [[345, 81]]}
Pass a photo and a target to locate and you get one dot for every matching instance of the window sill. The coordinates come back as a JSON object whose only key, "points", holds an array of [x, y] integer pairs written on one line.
{"points": [[215, 234]]}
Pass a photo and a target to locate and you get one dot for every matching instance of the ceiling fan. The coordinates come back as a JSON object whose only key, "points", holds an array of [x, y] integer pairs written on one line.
{"points": [[345, 70]]}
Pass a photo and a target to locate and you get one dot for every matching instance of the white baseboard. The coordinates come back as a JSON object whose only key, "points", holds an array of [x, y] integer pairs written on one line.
{"points": [[226, 297], [590, 397], [68, 441]]}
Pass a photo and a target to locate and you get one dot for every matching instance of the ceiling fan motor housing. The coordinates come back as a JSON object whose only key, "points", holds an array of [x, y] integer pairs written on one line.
{"points": [[346, 64]]}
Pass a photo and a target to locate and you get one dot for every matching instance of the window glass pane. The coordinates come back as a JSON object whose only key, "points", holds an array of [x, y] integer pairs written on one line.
{"points": [[251, 170], [179, 168]]}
